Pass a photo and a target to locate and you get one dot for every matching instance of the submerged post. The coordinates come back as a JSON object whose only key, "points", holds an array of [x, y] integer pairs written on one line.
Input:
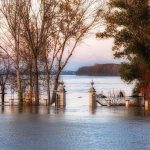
{"points": [[127, 102], [61, 95], [147, 104], [92, 96]]}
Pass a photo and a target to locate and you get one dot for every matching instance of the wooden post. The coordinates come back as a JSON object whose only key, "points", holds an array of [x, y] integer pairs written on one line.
{"points": [[92, 96], [127, 102]]}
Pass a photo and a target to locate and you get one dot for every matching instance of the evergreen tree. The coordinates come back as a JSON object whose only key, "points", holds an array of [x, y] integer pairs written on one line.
{"points": [[128, 22]]}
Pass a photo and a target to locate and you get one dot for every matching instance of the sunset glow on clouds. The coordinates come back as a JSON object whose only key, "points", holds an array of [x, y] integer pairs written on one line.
{"points": [[92, 51]]}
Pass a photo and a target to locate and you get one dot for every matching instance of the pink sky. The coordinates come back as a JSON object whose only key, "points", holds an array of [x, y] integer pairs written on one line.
{"points": [[92, 51]]}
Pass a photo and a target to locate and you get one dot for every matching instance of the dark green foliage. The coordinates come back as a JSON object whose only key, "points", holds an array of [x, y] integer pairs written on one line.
{"points": [[129, 72], [128, 22]]}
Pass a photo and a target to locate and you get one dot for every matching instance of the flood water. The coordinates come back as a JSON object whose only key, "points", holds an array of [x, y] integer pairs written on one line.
{"points": [[77, 127]]}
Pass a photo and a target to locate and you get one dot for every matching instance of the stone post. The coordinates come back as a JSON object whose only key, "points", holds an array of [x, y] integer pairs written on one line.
{"points": [[61, 101], [92, 96], [127, 102], [147, 104]]}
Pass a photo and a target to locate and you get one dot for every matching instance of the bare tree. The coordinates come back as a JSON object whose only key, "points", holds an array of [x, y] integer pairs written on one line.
{"points": [[10, 10], [47, 34], [5, 68], [53, 32], [79, 18], [36, 26]]}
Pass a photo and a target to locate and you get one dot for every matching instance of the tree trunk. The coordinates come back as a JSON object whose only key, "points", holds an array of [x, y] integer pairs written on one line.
{"points": [[55, 88], [31, 83], [19, 90], [3, 94], [36, 82], [48, 82]]}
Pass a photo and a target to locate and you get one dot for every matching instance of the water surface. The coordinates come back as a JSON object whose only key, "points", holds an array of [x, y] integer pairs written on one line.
{"points": [[77, 127]]}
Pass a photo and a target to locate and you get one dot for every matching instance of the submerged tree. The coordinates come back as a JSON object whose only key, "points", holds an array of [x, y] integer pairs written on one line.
{"points": [[5, 68], [137, 70], [128, 22], [11, 37], [79, 17], [53, 32], [41, 36]]}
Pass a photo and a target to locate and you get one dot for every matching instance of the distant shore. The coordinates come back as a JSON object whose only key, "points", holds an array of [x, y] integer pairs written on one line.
{"points": [[100, 70]]}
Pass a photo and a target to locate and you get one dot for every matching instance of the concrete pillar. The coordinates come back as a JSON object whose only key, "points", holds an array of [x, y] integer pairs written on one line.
{"points": [[62, 98], [11, 101], [92, 96], [61, 95], [147, 105], [127, 103]]}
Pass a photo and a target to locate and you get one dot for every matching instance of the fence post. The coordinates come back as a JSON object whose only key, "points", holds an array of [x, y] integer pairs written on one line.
{"points": [[92, 96]]}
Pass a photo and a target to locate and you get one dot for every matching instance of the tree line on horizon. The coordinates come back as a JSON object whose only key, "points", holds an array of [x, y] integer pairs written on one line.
{"points": [[100, 70], [42, 35]]}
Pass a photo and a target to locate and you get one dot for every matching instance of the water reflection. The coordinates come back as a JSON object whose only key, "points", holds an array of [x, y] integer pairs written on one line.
{"points": [[92, 110], [31, 110], [74, 128], [97, 111], [2, 109]]}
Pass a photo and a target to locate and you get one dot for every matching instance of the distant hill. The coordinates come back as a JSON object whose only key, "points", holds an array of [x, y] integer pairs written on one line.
{"points": [[100, 70]]}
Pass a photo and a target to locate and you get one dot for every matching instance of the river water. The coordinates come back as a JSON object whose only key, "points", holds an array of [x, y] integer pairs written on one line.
{"points": [[77, 127]]}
